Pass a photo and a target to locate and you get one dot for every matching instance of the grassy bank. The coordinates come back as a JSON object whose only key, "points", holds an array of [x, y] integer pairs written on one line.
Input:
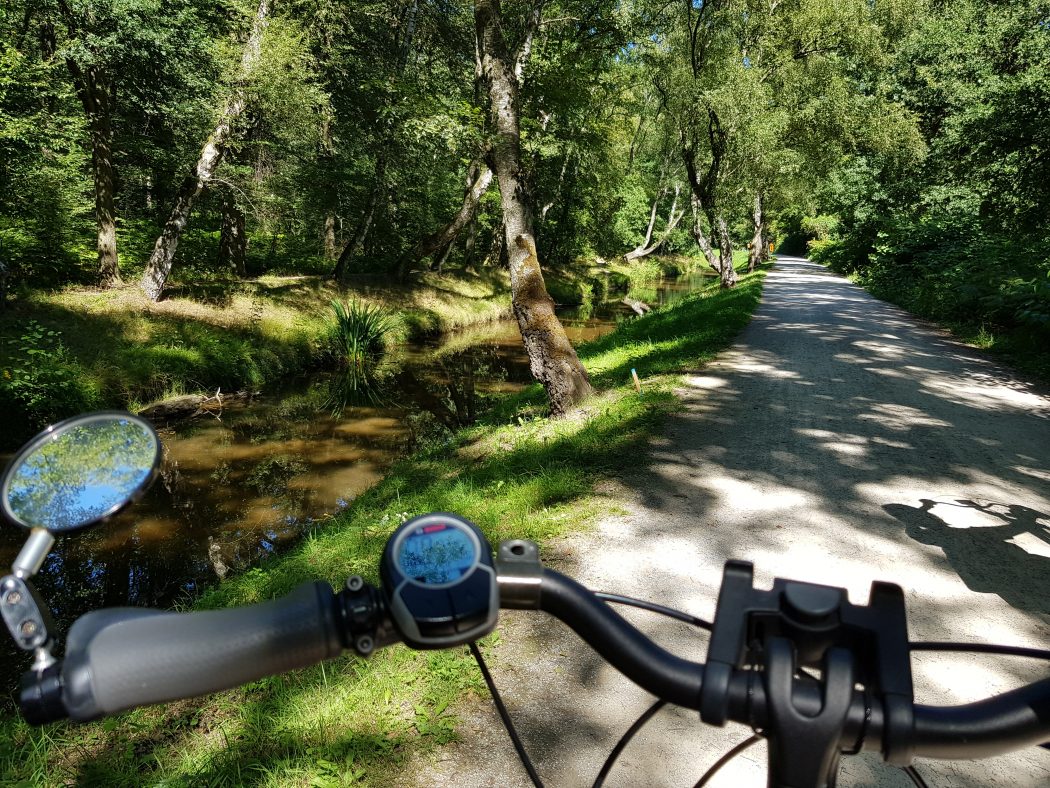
{"points": [[79, 349], [354, 721]]}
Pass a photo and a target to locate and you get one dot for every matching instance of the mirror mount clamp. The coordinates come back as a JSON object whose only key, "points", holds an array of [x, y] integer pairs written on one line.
{"points": [[519, 573], [27, 618]]}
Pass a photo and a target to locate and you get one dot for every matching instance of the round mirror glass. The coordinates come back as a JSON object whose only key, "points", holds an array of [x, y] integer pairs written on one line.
{"points": [[80, 471]]}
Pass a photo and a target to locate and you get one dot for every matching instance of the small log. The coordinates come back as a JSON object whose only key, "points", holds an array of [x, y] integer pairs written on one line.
{"points": [[639, 307], [174, 408], [188, 405]]}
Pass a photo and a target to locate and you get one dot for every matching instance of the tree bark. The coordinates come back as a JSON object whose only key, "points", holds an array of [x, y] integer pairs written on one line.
{"points": [[329, 192], [160, 262], [552, 359], [105, 186], [95, 91], [96, 95], [479, 179], [497, 255], [233, 243], [331, 232], [758, 242], [469, 244], [705, 191], [727, 276], [702, 241], [441, 257]]}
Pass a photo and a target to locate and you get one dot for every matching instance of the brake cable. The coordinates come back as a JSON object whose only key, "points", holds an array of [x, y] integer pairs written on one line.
{"points": [[522, 755], [650, 712], [980, 648]]}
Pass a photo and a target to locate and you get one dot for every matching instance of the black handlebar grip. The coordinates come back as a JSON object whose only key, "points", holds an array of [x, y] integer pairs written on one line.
{"points": [[120, 658]]}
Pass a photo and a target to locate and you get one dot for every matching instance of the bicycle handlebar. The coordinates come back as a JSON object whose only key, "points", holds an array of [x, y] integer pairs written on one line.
{"points": [[993, 726], [122, 658]]}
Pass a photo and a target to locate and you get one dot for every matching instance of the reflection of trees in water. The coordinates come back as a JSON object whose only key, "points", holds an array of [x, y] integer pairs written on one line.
{"points": [[440, 396], [984, 557], [450, 390]]}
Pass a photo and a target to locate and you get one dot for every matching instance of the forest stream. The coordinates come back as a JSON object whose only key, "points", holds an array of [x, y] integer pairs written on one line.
{"points": [[240, 484]]}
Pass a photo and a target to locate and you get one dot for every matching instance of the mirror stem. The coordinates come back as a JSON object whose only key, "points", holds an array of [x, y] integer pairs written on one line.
{"points": [[33, 553], [42, 658]]}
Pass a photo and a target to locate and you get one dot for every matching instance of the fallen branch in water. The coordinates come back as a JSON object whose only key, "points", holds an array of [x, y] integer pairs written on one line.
{"points": [[640, 307]]}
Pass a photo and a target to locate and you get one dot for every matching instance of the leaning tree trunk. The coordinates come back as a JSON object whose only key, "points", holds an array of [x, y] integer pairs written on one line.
{"points": [[552, 360], [673, 218], [758, 241], [160, 262], [479, 178], [725, 253]]}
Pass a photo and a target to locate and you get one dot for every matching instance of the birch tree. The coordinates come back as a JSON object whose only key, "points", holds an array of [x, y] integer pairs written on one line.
{"points": [[160, 262]]}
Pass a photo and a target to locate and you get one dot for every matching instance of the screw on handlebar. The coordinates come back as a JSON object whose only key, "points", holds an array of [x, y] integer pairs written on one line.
{"points": [[363, 616]]}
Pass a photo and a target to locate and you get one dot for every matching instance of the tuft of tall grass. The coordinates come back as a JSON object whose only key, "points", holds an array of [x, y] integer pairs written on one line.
{"points": [[360, 330], [360, 334]]}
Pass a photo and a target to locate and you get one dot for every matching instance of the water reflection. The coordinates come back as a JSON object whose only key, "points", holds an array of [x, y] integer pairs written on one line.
{"points": [[234, 489]]}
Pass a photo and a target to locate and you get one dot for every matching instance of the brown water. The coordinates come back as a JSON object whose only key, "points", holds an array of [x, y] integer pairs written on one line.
{"points": [[241, 484]]}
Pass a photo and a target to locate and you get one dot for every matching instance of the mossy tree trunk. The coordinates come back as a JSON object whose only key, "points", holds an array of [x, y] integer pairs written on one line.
{"points": [[552, 359]]}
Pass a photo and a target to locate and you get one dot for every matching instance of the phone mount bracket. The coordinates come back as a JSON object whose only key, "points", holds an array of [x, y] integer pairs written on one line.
{"points": [[807, 625]]}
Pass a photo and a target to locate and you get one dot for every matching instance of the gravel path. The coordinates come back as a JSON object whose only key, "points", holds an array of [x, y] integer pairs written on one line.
{"points": [[838, 441]]}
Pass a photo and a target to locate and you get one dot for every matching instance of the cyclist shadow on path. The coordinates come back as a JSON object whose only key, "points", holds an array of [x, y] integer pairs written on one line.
{"points": [[1004, 549]]}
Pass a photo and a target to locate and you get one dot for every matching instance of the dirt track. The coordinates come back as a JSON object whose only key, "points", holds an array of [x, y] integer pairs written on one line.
{"points": [[838, 441]]}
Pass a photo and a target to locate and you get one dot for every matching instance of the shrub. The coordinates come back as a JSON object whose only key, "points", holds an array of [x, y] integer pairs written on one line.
{"points": [[42, 383]]}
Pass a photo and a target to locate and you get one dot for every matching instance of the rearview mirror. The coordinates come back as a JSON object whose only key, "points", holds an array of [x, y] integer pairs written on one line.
{"points": [[80, 471]]}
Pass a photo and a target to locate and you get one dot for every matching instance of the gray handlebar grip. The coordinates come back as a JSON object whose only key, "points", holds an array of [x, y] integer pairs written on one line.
{"points": [[120, 658]]}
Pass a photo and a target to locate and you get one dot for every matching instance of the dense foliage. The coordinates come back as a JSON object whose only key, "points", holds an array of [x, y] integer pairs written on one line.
{"points": [[957, 230], [904, 140]]}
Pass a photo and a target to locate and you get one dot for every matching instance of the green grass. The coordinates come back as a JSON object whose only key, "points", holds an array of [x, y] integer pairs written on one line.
{"points": [[354, 721], [78, 349]]}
